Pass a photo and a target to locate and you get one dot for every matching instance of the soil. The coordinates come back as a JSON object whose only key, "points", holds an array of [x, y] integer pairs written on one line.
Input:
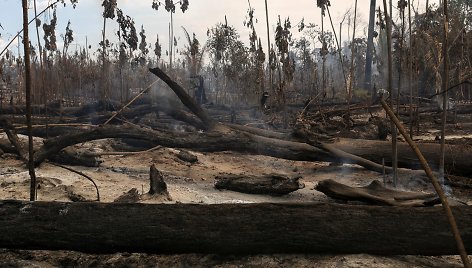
{"points": [[191, 183]]}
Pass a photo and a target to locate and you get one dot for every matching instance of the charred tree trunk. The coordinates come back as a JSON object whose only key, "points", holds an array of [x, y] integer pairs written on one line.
{"points": [[376, 193], [370, 49], [457, 159], [157, 184], [272, 184], [230, 228]]}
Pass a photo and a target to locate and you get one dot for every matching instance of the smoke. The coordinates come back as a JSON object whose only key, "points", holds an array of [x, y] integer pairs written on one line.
{"points": [[446, 187], [439, 101]]}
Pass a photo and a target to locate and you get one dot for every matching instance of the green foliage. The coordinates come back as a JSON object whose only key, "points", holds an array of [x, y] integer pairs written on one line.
{"points": [[68, 36], [222, 39], [192, 53], [323, 4], [303, 51], [169, 5], [127, 30], [73, 2], [184, 5], [50, 33], [157, 48], [143, 44], [283, 37], [109, 7]]}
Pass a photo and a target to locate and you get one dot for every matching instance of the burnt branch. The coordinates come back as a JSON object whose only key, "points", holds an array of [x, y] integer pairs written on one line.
{"points": [[13, 138], [185, 98]]}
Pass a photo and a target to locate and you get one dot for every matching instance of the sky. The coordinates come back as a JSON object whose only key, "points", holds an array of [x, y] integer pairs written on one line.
{"points": [[87, 22]]}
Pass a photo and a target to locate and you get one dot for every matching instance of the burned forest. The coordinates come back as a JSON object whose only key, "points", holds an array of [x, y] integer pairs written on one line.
{"points": [[336, 138]]}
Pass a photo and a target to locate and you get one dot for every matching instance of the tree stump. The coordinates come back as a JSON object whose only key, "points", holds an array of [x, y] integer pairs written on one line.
{"points": [[158, 187]]}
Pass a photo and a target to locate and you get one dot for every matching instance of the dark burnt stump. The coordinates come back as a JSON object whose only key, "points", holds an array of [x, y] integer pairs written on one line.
{"points": [[158, 187]]}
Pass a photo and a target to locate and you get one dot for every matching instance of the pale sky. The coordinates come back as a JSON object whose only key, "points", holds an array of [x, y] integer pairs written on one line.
{"points": [[86, 20]]}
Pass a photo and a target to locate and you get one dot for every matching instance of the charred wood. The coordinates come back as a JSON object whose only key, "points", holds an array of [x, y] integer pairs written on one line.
{"points": [[271, 184], [230, 228], [158, 186], [457, 161], [375, 193], [184, 97], [187, 156], [132, 196], [70, 156]]}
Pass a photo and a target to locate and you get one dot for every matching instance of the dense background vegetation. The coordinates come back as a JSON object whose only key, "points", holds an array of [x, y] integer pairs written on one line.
{"points": [[320, 64]]}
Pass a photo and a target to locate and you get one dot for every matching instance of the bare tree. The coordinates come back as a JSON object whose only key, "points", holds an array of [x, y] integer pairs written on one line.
{"points": [[351, 68], [393, 129], [370, 48], [109, 7], [444, 89], [26, 46], [268, 46], [169, 6]]}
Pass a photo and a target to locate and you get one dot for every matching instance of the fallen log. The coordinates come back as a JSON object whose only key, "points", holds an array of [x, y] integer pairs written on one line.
{"points": [[68, 156], [453, 166], [187, 157], [457, 158], [230, 228], [222, 137], [271, 184], [208, 142], [375, 193]]}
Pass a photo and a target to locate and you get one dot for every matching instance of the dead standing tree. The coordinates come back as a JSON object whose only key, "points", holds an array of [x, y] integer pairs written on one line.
{"points": [[109, 7], [169, 6], [28, 101]]}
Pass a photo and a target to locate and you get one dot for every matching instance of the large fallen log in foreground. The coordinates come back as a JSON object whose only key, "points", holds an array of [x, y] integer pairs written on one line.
{"points": [[230, 228]]}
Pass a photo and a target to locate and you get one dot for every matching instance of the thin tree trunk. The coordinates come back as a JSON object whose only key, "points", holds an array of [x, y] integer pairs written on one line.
{"points": [[400, 58], [445, 79], [390, 80], [351, 70], [171, 32], [338, 43], [28, 101], [105, 84], [268, 46], [410, 67], [324, 46], [44, 93], [370, 49]]}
